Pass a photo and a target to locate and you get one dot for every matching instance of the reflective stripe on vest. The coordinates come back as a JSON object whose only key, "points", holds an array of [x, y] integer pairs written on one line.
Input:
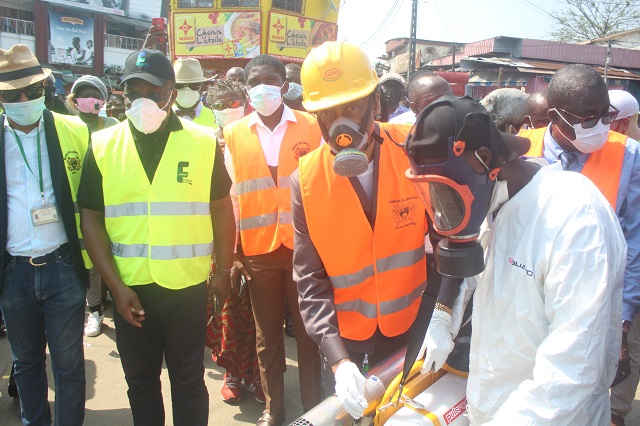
{"points": [[602, 167], [369, 310], [73, 135], [161, 231], [377, 275], [162, 253], [395, 261], [157, 208], [265, 208]]}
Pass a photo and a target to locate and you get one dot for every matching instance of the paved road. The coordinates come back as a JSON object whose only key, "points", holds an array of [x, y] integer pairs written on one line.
{"points": [[107, 403]]}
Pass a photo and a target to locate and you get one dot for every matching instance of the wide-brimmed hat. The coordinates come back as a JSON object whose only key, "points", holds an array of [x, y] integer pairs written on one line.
{"points": [[20, 68], [188, 71]]}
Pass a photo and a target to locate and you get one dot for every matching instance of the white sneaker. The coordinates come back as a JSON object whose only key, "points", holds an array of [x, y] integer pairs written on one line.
{"points": [[94, 323]]}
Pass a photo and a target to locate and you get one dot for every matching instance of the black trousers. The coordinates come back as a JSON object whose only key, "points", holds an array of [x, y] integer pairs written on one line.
{"points": [[174, 327]]}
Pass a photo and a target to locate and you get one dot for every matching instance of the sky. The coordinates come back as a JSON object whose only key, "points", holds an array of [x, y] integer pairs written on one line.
{"points": [[365, 22]]}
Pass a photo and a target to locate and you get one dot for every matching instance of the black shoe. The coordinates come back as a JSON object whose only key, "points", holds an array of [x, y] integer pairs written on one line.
{"points": [[267, 419], [12, 390], [288, 326]]}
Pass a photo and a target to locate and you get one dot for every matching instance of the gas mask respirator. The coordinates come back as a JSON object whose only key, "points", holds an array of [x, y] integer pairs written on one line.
{"points": [[348, 142], [455, 196]]}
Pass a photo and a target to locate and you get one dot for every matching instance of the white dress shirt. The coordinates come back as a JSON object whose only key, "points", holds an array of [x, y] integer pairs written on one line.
{"points": [[23, 193]]}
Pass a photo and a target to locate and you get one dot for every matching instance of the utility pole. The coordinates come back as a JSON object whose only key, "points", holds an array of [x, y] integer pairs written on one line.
{"points": [[412, 38], [453, 59], [606, 62]]}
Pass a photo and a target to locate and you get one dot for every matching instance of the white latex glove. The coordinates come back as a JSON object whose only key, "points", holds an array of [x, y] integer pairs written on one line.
{"points": [[438, 342], [350, 389]]}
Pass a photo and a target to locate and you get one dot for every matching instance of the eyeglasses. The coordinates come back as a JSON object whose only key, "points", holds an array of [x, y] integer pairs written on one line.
{"points": [[591, 121], [31, 92], [219, 106], [193, 86], [155, 97]]}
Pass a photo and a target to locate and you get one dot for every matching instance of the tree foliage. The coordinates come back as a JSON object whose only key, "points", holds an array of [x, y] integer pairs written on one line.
{"points": [[582, 20]]}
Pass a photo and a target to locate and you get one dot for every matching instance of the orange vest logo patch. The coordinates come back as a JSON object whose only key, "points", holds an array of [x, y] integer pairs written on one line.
{"points": [[300, 149], [404, 212]]}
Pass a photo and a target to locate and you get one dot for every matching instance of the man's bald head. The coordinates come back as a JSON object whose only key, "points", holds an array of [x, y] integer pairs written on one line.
{"points": [[236, 73], [537, 107], [424, 88], [576, 92], [574, 86]]}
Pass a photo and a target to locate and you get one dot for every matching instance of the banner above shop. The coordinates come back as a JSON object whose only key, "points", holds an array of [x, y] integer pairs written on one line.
{"points": [[291, 38], [105, 6], [216, 34], [71, 39]]}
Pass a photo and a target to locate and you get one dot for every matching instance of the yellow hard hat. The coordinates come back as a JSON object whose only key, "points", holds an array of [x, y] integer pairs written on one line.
{"points": [[336, 73]]}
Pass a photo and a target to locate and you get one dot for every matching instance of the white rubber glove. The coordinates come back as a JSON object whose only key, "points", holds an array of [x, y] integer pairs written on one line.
{"points": [[438, 342], [350, 389]]}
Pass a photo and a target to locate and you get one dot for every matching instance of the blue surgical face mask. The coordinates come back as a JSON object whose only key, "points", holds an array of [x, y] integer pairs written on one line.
{"points": [[265, 99], [294, 92], [25, 113]]}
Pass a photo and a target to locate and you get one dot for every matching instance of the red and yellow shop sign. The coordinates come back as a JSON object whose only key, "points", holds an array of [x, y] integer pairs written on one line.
{"points": [[217, 34]]}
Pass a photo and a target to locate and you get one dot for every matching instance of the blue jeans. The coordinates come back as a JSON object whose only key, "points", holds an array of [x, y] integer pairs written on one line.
{"points": [[40, 305]]}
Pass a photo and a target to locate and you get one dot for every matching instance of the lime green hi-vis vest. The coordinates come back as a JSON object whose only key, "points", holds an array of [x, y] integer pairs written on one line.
{"points": [[73, 135], [205, 118], [160, 231]]}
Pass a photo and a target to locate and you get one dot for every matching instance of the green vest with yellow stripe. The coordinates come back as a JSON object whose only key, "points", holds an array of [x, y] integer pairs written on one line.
{"points": [[73, 135], [160, 231]]}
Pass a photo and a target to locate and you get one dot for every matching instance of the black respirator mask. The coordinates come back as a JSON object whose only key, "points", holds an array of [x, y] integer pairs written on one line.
{"points": [[348, 142]]}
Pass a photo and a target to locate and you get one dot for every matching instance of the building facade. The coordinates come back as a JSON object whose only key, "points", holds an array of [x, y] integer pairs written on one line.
{"points": [[76, 37]]}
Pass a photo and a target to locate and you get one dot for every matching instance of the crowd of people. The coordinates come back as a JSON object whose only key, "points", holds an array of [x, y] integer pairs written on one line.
{"points": [[321, 200]]}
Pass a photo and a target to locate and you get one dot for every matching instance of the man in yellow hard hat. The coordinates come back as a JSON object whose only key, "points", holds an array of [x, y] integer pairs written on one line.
{"points": [[359, 258]]}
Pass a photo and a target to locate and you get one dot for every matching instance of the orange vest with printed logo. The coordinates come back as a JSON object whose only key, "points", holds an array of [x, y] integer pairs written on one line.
{"points": [[265, 206], [603, 167], [378, 275]]}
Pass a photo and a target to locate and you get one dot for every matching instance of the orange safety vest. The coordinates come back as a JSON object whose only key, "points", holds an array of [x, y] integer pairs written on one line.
{"points": [[378, 275], [265, 208], [603, 167]]}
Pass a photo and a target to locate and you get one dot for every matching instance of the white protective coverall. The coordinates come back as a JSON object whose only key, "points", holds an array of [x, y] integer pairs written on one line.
{"points": [[548, 307]]}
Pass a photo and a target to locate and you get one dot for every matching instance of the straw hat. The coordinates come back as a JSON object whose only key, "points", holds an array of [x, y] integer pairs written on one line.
{"points": [[20, 68], [189, 70]]}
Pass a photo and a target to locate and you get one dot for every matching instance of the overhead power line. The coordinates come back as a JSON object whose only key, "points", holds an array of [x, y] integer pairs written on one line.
{"points": [[384, 25]]}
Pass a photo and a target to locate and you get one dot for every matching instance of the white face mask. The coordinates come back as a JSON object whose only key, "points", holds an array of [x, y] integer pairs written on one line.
{"points": [[25, 113], [588, 140], [187, 98], [265, 99], [145, 115], [228, 115], [294, 92]]}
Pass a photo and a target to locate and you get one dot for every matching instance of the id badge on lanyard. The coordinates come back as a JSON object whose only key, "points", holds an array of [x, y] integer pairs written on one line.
{"points": [[45, 212]]}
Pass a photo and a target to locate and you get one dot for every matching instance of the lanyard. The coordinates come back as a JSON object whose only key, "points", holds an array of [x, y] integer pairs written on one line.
{"points": [[24, 157]]}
